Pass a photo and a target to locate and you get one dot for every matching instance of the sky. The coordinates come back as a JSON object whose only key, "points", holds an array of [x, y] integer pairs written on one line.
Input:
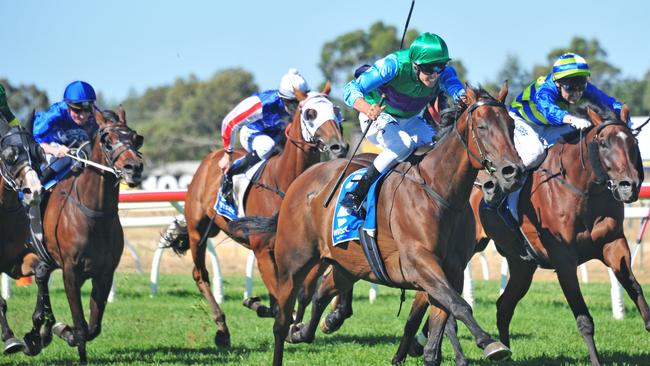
{"points": [[121, 46]]}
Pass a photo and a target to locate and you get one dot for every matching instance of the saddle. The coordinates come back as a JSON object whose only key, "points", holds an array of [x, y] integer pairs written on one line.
{"points": [[241, 185]]}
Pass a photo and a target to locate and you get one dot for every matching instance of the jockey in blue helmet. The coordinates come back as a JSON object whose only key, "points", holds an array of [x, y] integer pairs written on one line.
{"points": [[66, 123]]}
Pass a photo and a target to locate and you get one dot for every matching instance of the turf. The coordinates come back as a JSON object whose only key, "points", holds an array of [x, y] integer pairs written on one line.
{"points": [[174, 328]]}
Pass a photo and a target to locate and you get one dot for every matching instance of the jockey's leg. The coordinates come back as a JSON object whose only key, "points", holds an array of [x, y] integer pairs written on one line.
{"points": [[56, 166]]}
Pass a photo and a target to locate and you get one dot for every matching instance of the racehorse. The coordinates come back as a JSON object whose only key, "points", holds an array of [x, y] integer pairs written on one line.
{"points": [[418, 209], [19, 154], [264, 198], [83, 234], [571, 211]]}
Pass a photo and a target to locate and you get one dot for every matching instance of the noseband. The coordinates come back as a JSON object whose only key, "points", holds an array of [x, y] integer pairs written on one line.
{"points": [[127, 139], [482, 157]]}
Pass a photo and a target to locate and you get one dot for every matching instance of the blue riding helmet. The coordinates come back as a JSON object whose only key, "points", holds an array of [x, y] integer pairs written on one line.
{"points": [[79, 93]]}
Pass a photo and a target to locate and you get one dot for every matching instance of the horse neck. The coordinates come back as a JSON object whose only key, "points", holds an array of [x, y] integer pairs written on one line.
{"points": [[295, 158], [568, 160], [105, 195], [447, 169], [9, 199]]}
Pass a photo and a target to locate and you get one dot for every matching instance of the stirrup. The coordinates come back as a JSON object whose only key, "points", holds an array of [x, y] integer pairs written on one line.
{"points": [[352, 201]]}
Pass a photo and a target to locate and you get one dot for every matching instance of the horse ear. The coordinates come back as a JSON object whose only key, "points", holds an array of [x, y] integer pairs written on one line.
{"points": [[99, 118], [503, 93], [471, 94], [300, 95], [625, 113], [594, 117], [121, 114], [327, 88]]}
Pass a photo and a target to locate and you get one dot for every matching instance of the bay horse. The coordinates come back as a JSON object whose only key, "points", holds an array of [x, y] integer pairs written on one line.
{"points": [[20, 153], [83, 234], [571, 210], [418, 209], [263, 198], [590, 228]]}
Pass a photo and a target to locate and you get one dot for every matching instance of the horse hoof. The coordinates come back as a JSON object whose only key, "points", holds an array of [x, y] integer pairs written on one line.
{"points": [[13, 345], [249, 301], [497, 351], [59, 329], [264, 311], [296, 336], [416, 349], [222, 339], [331, 323], [32, 345]]}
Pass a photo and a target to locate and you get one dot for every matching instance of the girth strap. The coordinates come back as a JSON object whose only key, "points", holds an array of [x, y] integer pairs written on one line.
{"points": [[370, 249], [36, 235]]}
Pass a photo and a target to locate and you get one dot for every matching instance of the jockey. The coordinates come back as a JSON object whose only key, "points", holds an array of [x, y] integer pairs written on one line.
{"points": [[262, 119], [410, 79], [66, 123], [540, 111]]}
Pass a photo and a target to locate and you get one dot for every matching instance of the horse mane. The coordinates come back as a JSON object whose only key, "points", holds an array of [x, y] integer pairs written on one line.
{"points": [[449, 116], [606, 114]]}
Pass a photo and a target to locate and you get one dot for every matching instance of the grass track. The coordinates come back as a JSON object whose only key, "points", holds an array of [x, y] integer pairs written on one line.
{"points": [[175, 328]]}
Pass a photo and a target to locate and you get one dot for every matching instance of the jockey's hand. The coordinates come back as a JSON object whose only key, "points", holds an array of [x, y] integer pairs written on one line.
{"points": [[60, 151], [374, 111], [578, 123], [463, 100], [224, 162]]}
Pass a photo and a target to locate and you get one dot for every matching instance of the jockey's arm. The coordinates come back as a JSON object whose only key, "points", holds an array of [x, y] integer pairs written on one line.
{"points": [[597, 96], [247, 111], [451, 85], [381, 72], [546, 102]]}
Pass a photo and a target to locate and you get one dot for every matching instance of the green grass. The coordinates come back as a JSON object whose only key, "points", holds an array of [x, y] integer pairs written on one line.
{"points": [[175, 328]]}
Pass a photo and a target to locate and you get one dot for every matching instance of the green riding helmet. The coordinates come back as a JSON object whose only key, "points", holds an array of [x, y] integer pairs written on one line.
{"points": [[428, 48]]}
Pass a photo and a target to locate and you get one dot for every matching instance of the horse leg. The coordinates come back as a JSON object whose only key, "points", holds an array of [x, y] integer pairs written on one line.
{"points": [[78, 335], [202, 280], [337, 280], [290, 276], [266, 266], [98, 298], [432, 279], [11, 343], [616, 255], [42, 312], [418, 308], [433, 349], [566, 268], [333, 321], [518, 285], [305, 295], [451, 331]]}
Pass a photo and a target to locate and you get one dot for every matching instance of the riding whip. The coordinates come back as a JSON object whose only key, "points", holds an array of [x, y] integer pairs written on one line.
{"points": [[338, 181], [406, 26]]}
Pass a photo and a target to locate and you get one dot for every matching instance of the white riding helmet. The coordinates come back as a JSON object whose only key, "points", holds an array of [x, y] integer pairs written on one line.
{"points": [[292, 80]]}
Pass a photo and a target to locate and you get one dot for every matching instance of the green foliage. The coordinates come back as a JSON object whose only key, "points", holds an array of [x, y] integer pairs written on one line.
{"points": [[341, 56], [22, 99], [183, 121]]}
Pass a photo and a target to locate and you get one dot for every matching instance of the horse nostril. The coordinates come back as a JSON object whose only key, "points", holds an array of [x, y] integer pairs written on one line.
{"points": [[508, 171], [625, 185], [335, 148]]}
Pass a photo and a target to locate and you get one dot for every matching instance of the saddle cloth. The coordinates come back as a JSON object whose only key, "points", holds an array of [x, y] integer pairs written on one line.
{"points": [[241, 183]]}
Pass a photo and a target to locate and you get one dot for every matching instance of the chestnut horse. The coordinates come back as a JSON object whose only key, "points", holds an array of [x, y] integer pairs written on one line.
{"points": [[590, 228], [419, 207], [263, 198], [83, 234]]}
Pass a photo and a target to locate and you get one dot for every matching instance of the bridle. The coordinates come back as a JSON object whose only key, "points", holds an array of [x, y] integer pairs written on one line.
{"points": [[311, 141], [470, 126], [127, 139]]}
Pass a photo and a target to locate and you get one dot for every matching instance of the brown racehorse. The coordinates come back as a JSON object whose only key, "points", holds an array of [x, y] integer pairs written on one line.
{"points": [[83, 234], [590, 228], [263, 199], [418, 209], [16, 258]]}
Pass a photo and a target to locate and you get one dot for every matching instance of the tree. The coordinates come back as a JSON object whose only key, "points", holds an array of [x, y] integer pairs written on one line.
{"points": [[603, 74], [341, 56], [22, 99]]}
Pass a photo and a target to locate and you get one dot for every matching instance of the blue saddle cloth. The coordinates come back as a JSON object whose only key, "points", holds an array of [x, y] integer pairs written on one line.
{"points": [[346, 223], [224, 208], [60, 175]]}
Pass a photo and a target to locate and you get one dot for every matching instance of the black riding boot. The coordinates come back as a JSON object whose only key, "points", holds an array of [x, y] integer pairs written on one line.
{"points": [[239, 166], [354, 198]]}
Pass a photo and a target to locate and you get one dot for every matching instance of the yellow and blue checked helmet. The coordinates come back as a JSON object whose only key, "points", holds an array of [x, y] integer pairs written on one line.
{"points": [[570, 65]]}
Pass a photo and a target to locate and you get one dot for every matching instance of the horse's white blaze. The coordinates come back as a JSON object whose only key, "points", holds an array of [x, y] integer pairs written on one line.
{"points": [[31, 182]]}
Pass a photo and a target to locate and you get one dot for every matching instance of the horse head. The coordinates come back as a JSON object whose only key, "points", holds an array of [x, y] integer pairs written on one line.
{"points": [[614, 153], [120, 146], [320, 122], [487, 130], [20, 156]]}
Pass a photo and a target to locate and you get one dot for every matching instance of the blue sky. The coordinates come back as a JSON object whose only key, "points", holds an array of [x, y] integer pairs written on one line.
{"points": [[121, 45]]}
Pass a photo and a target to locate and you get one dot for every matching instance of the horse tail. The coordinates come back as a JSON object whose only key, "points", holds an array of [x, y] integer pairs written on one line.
{"points": [[176, 236], [255, 224]]}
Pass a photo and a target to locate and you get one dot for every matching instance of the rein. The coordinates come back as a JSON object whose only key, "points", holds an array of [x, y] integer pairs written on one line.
{"points": [[482, 157]]}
